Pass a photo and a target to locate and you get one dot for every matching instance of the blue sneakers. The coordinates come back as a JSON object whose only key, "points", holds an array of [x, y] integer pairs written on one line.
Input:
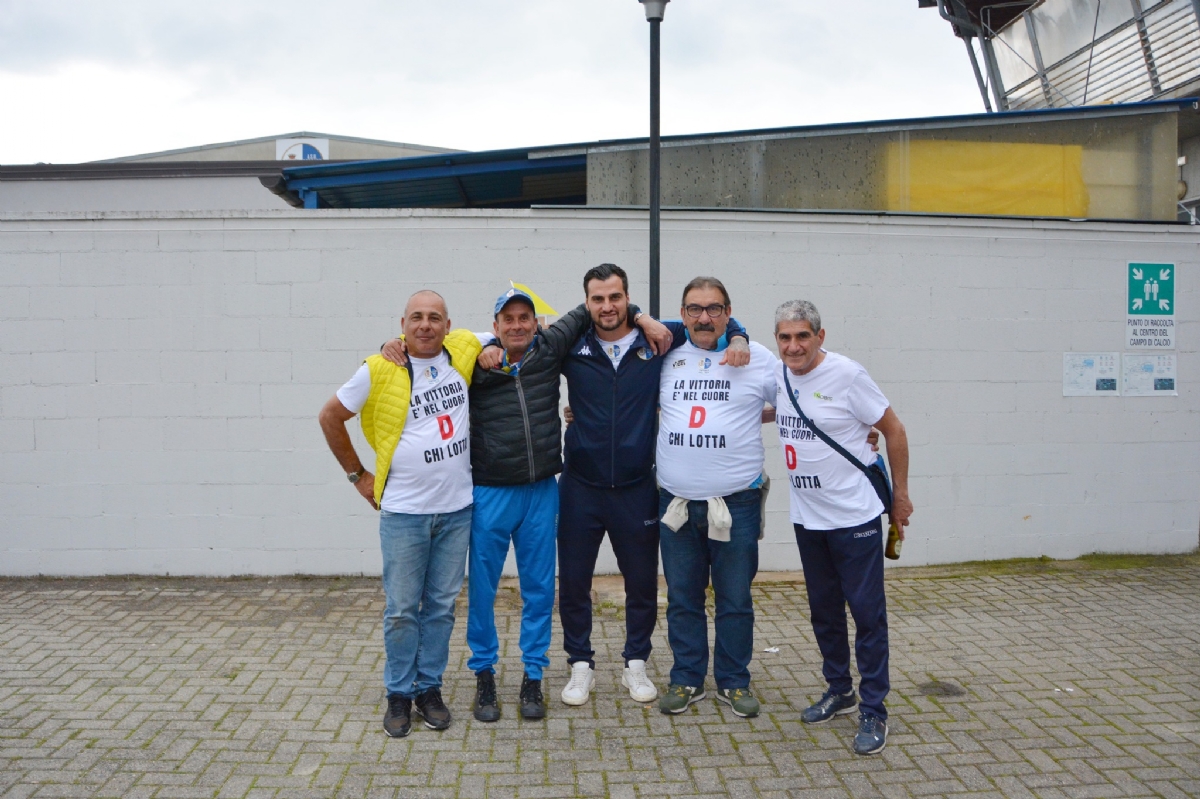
{"points": [[872, 734], [828, 706]]}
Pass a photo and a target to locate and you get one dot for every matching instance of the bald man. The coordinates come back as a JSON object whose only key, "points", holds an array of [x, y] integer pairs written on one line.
{"points": [[415, 417]]}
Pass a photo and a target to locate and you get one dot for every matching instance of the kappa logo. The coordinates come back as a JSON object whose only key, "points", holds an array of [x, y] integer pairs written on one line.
{"points": [[679, 363], [431, 373], [585, 350], [645, 354]]}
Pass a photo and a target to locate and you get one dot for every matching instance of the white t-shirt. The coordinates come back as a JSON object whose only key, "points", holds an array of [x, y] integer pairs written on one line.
{"points": [[710, 429], [615, 350], [828, 492], [431, 468]]}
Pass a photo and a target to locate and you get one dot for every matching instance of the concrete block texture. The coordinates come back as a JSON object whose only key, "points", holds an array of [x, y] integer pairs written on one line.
{"points": [[160, 375]]}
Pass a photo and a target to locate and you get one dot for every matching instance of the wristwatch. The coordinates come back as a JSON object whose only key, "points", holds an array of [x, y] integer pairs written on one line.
{"points": [[354, 477]]}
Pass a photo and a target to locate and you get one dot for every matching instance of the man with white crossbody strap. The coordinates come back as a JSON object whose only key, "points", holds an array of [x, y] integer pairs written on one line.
{"points": [[835, 511]]}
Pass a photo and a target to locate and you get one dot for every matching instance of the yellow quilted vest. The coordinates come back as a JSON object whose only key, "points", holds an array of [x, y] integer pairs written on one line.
{"points": [[386, 409]]}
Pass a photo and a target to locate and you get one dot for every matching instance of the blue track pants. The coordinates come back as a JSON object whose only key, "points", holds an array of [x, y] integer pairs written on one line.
{"points": [[526, 515]]}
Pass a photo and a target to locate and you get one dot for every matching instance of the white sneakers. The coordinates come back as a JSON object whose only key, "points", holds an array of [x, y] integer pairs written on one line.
{"points": [[583, 679], [579, 687], [639, 685]]}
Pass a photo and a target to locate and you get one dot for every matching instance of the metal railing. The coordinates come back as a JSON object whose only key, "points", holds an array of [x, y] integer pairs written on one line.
{"points": [[1152, 54]]}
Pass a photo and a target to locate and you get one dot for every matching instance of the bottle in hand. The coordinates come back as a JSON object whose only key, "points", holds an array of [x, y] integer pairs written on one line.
{"points": [[892, 552]]}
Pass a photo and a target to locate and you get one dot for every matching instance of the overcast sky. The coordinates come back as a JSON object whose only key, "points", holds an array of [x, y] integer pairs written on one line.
{"points": [[81, 81]]}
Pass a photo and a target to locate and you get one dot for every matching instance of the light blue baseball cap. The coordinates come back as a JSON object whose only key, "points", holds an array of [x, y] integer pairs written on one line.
{"points": [[509, 296]]}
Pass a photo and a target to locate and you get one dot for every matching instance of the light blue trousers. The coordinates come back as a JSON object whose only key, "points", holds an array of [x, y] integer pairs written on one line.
{"points": [[424, 556]]}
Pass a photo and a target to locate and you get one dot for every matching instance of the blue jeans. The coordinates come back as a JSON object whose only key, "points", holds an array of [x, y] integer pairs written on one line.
{"points": [[424, 557], [527, 515], [689, 558], [845, 567]]}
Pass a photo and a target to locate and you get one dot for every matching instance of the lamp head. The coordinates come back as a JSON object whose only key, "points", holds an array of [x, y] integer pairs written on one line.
{"points": [[654, 9]]}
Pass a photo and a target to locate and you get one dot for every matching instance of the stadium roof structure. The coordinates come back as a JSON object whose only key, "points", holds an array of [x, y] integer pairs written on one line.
{"points": [[558, 174]]}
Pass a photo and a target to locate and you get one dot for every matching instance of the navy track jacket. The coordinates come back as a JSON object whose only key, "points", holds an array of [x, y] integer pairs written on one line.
{"points": [[612, 440]]}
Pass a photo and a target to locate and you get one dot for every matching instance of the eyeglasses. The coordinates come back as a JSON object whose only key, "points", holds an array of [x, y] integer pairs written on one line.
{"points": [[714, 310]]}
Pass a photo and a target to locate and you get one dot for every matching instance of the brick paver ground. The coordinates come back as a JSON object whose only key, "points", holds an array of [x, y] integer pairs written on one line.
{"points": [[1027, 680]]}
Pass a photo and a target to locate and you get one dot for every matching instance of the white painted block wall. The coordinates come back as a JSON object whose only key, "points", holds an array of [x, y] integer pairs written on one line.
{"points": [[160, 374]]}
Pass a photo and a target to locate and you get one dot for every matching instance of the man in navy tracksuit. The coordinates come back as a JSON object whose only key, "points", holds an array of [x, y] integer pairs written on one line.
{"points": [[608, 483]]}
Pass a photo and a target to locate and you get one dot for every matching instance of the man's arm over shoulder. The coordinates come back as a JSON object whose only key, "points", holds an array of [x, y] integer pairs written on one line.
{"points": [[562, 335]]}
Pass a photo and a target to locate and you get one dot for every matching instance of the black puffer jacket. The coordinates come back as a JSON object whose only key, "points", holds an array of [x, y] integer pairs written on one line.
{"points": [[516, 430]]}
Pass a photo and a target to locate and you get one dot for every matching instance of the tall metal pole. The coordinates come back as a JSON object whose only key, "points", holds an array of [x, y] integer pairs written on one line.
{"points": [[654, 169]]}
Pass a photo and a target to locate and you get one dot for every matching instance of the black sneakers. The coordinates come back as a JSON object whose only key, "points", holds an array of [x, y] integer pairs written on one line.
{"points": [[828, 706], [429, 704], [487, 707], [533, 704], [872, 734], [396, 721]]}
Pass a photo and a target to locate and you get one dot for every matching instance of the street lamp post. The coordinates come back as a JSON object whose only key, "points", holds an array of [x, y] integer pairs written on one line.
{"points": [[655, 9]]}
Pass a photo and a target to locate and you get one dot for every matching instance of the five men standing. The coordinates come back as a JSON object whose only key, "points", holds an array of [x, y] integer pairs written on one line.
{"points": [[708, 494]]}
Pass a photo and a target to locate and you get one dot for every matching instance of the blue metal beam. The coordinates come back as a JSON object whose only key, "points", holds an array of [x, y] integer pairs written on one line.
{"points": [[527, 166]]}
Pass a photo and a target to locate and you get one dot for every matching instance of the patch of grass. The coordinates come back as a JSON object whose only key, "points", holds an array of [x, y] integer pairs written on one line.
{"points": [[1098, 561], [1107, 560]]}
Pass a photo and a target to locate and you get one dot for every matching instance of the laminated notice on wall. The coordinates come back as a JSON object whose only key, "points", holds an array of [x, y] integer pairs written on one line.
{"points": [[1149, 375], [1090, 374]]}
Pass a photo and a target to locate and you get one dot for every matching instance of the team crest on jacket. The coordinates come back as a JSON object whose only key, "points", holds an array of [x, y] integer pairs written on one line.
{"points": [[645, 354]]}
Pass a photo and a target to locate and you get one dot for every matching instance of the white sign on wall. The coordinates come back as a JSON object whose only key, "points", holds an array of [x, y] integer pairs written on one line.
{"points": [[1090, 374], [1149, 375], [303, 149], [1150, 307]]}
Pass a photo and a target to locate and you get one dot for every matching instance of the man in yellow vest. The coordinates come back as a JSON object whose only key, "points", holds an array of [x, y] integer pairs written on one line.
{"points": [[416, 419]]}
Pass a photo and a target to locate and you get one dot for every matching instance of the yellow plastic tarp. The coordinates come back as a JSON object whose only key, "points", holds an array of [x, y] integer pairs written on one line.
{"points": [[1001, 178]]}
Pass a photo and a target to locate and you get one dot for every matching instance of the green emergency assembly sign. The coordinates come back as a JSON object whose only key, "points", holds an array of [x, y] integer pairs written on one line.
{"points": [[1150, 307], [1152, 289]]}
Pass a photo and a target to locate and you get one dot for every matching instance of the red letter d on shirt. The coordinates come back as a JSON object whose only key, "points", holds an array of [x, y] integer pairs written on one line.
{"points": [[445, 426], [697, 417], [789, 456]]}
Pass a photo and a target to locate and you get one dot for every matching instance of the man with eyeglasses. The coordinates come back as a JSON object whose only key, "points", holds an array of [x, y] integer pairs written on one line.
{"points": [[712, 487], [607, 484]]}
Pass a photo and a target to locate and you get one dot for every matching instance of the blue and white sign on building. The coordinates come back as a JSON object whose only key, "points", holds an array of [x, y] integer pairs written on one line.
{"points": [[302, 149]]}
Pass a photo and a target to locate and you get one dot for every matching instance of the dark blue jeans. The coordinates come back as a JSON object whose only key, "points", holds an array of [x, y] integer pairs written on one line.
{"points": [[690, 559], [585, 513], [845, 567]]}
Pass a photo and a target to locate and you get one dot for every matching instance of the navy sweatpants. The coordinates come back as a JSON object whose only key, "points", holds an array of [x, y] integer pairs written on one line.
{"points": [[845, 567], [630, 516]]}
